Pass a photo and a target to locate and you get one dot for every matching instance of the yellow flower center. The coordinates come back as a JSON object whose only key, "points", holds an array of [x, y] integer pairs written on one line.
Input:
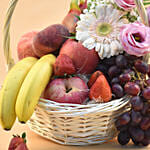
{"points": [[103, 29]]}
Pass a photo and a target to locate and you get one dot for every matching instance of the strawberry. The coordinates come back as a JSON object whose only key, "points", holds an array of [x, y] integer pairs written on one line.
{"points": [[64, 65], [100, 90], [93, 78], [22, 146], [16, 141]]}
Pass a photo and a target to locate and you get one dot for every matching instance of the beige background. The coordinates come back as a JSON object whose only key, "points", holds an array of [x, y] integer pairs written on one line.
{"points": [[36, 15]]}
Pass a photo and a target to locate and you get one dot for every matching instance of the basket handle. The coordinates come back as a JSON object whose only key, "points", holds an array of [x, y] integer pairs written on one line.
{"points": [[6, 31]]}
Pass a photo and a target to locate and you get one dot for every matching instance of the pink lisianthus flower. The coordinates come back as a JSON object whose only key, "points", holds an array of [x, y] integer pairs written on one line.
{"points": [[135, 38], [148, 13], [126, 4]]}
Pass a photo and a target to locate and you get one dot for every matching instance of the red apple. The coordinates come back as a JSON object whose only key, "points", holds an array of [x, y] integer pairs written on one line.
{"points": [[85, 60], [70, 90]]}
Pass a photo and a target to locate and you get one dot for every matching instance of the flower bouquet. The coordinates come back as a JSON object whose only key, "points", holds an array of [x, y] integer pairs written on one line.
{"points": [[84, 81]]}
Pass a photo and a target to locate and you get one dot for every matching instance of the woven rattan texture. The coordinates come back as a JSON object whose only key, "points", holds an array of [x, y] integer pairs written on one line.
{"points": [[73, 124]]}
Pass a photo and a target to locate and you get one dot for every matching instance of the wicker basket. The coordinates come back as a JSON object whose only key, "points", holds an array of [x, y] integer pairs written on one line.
{"points": [[71, 124]]}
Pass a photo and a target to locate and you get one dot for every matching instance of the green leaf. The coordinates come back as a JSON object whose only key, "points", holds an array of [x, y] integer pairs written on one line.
{"points": [[24, 135], [148, 3], [78, 17], [70, 37]]}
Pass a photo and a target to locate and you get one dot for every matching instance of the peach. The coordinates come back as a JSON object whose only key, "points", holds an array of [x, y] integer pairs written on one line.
{"points": [[24, 47], [50, 39], [85, 60]]}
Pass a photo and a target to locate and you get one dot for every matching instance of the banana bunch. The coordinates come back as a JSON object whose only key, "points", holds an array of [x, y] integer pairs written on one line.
{"points": [[22, 89]]}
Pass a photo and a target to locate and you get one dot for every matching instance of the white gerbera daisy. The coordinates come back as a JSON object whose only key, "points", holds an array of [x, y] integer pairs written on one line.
{"points": [[101, 30]]}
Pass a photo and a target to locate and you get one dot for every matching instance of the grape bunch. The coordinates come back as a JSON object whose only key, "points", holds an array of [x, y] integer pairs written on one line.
{"points": [[127, 75]]}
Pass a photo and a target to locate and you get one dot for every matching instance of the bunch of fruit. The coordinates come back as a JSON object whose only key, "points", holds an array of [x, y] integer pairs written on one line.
{"points": [[58, 65], [53, 67], [128, 76]]}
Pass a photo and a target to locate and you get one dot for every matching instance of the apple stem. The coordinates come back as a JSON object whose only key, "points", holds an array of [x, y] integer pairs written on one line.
{"points": [[74, 5], [68, 90]]}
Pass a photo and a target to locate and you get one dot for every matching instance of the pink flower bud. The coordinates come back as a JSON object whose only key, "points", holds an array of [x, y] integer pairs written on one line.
{"points": [[126, 4], [135, 38]]}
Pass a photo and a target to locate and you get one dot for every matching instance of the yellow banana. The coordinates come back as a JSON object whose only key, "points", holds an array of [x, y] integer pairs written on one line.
{"points": [[10, 90], [33, 86]]}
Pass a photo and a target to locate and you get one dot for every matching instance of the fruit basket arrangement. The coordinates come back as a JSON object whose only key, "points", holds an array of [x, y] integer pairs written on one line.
{"points": [[84, 81]]}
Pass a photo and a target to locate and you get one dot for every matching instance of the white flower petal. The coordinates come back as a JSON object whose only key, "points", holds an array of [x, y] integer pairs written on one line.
{"points": [[86, 30], [109, 11], [82, 36], [106, 50], [92, 10], [85, 11], [101, 11], [114, 48], [89, 43], [100, 53], [98, 46]]}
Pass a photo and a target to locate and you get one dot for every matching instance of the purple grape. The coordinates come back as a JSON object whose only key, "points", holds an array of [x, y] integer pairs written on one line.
{"points": [[114, 71], [132, 88], [145, 123], [146, 93], [136, 133], [121, 61], [115, 80], [141, 66], [136, 118], [124, 119], [102, 68], [145, 109], [135, 142], [122, 128], [148, 70], [148, 82], [117, 90], [136, 103], [140, 83], [123, 138], [124, 78], [145, 142], [131, 57], [131, 72], [147, 133], [109, 61]]}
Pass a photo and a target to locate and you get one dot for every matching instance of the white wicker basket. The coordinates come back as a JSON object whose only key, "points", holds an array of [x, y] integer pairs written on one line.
{"points": [[74, 124], [70, 124]]}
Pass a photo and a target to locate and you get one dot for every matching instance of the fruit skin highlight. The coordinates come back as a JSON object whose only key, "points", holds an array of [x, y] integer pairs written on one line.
{"points": [[69, 90], [33, 86], [50, 39], [24, 47], [10, 90], [70, 21], [85, 60]]}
